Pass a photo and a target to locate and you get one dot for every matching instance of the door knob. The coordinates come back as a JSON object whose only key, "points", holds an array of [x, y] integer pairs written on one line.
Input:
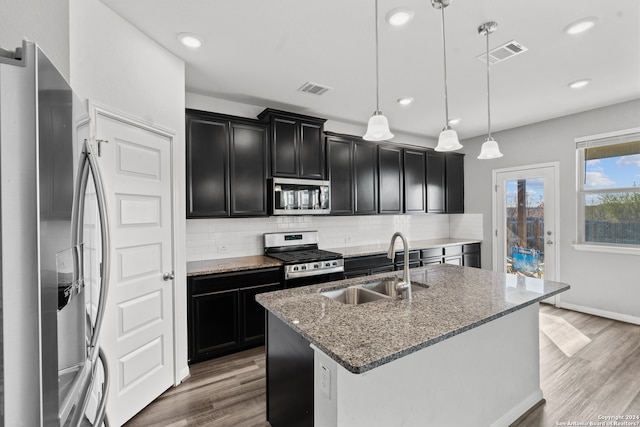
{"points": [[168, 276], [549, 233]]}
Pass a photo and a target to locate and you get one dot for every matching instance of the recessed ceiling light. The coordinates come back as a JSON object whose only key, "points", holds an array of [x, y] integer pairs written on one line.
{"points": [[190, 40], [580, 26], [454, 121], [399, 16], [579, 83], [404, 101]]}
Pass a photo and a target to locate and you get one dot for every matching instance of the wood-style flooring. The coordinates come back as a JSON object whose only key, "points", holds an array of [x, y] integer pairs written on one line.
{"points": [[590, 367]]}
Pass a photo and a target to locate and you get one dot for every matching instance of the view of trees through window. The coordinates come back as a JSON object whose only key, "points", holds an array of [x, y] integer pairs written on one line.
{"points": [[611, 191]]}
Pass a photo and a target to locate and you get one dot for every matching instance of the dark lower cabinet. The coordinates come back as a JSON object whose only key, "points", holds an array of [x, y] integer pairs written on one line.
{"points": [[289, 376], [471, 255], [223, 316]]}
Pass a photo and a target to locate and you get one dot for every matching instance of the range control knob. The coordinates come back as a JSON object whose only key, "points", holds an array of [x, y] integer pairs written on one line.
{"points": [[304, 267], [327, 264], [316, 266], [295, 268]]}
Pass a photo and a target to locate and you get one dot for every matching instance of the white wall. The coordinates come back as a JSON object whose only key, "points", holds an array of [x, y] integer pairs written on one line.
{"points": [[45, 22], [116, 65], [601, 283]]}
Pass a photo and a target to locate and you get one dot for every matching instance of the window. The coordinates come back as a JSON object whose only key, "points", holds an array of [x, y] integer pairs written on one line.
{"points": [[609, 189]]}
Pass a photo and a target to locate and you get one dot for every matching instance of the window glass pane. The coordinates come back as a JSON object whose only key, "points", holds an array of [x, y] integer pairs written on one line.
{"points": [[612, 166], [612, 218]]}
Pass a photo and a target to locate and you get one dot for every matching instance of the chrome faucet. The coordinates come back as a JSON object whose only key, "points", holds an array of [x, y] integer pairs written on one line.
{"points": [[405, 285]]}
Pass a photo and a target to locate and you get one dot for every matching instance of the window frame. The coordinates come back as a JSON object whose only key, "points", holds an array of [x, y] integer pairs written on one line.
{"points": [[610, 138]]}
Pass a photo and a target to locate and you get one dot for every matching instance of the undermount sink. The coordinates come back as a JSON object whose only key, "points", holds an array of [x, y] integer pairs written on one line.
{"points": [[369, 291], [354, 295], [387, 286]]}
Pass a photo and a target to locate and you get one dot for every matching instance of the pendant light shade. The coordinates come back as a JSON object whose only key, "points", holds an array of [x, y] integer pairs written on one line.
{"points": [[490, 149], [448, 139], [378, 126]]}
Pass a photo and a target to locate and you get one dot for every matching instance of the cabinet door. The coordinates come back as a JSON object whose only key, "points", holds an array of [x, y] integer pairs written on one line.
{"points": [[311, 151], [340, 174], [253, 315], [414, 181], [214, 324], [247, 170], [207, 163], [454, 166], [284, 147], [365, 173], [390, 187], [435, 183]]}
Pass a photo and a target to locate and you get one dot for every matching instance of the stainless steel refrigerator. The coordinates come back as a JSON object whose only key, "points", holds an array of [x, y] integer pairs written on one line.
{"points": [[54, 253]]}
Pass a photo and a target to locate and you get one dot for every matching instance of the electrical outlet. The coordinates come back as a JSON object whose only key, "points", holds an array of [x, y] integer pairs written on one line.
{"points": [[223, 249], [347, 239], [325, 381]]}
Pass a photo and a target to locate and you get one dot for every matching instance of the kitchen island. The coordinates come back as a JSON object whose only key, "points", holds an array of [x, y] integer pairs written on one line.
{"points": [[463, 351]]}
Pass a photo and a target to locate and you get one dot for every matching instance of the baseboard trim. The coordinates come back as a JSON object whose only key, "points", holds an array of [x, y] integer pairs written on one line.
{"points": [[601, 313], [522, 409]]}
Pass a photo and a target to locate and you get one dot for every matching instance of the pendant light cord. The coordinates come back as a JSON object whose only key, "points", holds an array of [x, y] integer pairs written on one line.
{"points": [[488, 92], [377, 65], [444, 54]]}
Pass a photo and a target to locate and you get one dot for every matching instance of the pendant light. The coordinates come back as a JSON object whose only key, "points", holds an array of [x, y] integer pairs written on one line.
{"points": [[448, 139], [378, 127], [489, 148]]}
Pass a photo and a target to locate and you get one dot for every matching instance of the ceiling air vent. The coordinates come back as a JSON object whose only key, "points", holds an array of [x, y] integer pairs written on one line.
{"points": [[501, 53], [314, 88]]}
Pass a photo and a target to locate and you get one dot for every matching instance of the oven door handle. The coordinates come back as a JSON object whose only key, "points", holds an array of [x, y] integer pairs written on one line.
{"points": [[309, 273]]}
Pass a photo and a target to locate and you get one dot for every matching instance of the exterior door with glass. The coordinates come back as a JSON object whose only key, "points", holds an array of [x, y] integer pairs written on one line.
{"points": [[525, 218]]}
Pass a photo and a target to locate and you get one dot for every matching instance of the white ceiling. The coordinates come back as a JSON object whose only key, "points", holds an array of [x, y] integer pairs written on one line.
{"points": [[261, 52]]}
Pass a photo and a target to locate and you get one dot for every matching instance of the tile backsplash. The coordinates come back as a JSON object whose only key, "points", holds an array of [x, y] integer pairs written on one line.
{"points": [[233, 237]]}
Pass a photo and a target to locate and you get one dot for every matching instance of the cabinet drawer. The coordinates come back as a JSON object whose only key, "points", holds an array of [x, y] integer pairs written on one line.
{"points": [[471, 248], [366, 262], [452, 250], [413, 255], [434, 252], [234, 280]]}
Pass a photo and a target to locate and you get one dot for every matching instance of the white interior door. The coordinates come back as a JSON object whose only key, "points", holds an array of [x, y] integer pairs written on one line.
{"points": [[137, 335], [525, 221]]}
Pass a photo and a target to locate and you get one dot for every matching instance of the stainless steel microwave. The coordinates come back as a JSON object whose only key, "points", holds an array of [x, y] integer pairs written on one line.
{"points": [[291, 196]]}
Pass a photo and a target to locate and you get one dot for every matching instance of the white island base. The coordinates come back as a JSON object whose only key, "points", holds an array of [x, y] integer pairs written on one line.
{"points": [[486, 376]]}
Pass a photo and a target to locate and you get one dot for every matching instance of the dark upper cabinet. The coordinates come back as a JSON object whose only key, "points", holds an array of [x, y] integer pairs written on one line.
{"points": [[226, 166], [436, 189], [365, 178], [454, 175], [340, 173], [414, 181], [390, 179], [352, 170], [297, 144]]}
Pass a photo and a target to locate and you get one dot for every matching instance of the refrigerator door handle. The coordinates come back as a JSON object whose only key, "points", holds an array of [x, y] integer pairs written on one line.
{"points": [[104, 232], [101, 416]]}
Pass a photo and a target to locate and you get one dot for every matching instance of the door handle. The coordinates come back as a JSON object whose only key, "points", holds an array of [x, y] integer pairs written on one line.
{"points": [[549, 242], [168, 276]]}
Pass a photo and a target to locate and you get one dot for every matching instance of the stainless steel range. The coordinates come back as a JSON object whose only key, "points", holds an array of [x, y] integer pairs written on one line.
{"points": [[304, 263]]}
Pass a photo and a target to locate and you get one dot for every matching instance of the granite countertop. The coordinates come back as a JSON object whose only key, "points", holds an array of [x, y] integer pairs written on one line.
{"points": [[363, 337], [354, 251], [225, 265]]}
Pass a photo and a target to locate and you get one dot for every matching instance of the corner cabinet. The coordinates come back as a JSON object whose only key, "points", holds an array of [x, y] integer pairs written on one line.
{"points": [[297, 144], [223, 315], [226, 166], [352, 170]]}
